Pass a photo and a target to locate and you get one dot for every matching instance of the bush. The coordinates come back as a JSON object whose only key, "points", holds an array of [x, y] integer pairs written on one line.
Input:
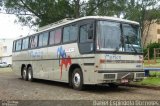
{"points": [[151, 47]]}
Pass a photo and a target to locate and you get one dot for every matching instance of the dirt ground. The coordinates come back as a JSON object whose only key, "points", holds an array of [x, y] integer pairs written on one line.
{"points": [[12, 87]]}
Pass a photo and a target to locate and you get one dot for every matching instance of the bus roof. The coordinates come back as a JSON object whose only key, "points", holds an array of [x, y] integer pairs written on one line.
{"points": [[55, 25], [69, 21]]}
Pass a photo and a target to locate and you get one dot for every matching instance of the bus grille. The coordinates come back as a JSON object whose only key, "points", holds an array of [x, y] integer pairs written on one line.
{"points": [[109, 76], [122, 74]]}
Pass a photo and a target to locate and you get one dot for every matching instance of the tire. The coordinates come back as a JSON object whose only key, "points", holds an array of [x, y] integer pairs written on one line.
{"points": [[9, 65], [77, 79], [30, 74], [24, 74], [113, 85]]}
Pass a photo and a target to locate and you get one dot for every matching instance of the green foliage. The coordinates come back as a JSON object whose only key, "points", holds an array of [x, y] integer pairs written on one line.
{"points": [[43, 12], [144, 12], [150, 81], [155, 74], [151, 47], [105, 7]]}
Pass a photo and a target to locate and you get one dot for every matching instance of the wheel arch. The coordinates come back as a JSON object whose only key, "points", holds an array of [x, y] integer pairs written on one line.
{"points": [[71, 69], [22, 66]]}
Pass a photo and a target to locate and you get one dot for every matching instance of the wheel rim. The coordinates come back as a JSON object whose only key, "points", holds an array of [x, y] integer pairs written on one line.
{"points": [[24, 73], [76, 79], [29, 75]]}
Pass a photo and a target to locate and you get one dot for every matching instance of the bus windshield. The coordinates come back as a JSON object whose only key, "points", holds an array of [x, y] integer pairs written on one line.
{"points": [[112, 37]]}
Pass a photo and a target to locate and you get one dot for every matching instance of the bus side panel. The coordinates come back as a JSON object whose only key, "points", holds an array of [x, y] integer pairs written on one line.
{"points": [[16, 62], [89, 69], [63, 56]]}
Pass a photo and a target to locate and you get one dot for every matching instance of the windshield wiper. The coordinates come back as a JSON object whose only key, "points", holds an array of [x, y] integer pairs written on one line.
{"points": [[121, 45], [130, 44]]}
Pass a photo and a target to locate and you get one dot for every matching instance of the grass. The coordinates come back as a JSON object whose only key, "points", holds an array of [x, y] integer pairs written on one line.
{"points": [[155, 74], [153, 80], [150, 81]]}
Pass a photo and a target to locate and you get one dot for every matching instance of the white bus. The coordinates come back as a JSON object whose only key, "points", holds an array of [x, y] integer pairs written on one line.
{"points": [[88, 50]]}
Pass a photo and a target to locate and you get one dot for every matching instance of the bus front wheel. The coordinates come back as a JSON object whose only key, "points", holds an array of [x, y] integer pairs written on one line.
{"points": [[24, 74], [30, 74], [77, 79]]}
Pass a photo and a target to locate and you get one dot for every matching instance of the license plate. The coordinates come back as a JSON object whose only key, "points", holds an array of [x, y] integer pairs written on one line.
{"points": [[124, 81]]}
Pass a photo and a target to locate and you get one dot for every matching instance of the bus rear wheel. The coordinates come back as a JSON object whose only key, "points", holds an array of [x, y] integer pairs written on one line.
{"points": [[77, 79], [24, 74], [30, 74]]}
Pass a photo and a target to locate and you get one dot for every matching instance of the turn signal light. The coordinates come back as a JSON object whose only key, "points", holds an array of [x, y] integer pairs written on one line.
{"points": [[102, 61]]}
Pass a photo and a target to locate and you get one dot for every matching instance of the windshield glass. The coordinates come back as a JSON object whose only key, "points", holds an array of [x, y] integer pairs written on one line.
{"points": [[111, 37], [132, 38], [108, 34]]}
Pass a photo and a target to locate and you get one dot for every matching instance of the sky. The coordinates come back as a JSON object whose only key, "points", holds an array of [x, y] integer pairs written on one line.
{"points": [[11, 30]]}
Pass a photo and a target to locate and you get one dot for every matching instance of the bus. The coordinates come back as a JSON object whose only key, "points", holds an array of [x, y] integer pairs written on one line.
{"points": [[91, 50]]}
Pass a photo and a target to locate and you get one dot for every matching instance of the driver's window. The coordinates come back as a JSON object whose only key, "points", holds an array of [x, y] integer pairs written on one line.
{"points": [[86, 35]]}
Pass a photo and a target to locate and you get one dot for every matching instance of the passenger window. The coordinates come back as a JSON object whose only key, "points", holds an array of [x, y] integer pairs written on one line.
{"points": [[58, 34], [40, 42], [43, 39], [33, 41], [25, 43], [73, 32], [51, 39], [70, 33], [66, 34], [18, 45]]}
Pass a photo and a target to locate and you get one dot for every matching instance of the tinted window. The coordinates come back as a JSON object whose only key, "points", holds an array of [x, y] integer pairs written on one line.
{"points": [[43, 39], [86, 33], [33, 41], [55, 37], [73, 32], [51, 40], [25, 43], [40, 40], [70, 33], [66, 34], [18, 45], [58, 35]]}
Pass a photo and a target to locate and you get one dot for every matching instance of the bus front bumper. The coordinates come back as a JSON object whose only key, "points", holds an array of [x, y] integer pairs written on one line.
{"points": [[119, 77]]}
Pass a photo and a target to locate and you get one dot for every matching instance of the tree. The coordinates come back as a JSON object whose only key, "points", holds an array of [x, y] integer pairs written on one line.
{"points": [[145, 12], [43, 12], [39, 12], [106, 7]]}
